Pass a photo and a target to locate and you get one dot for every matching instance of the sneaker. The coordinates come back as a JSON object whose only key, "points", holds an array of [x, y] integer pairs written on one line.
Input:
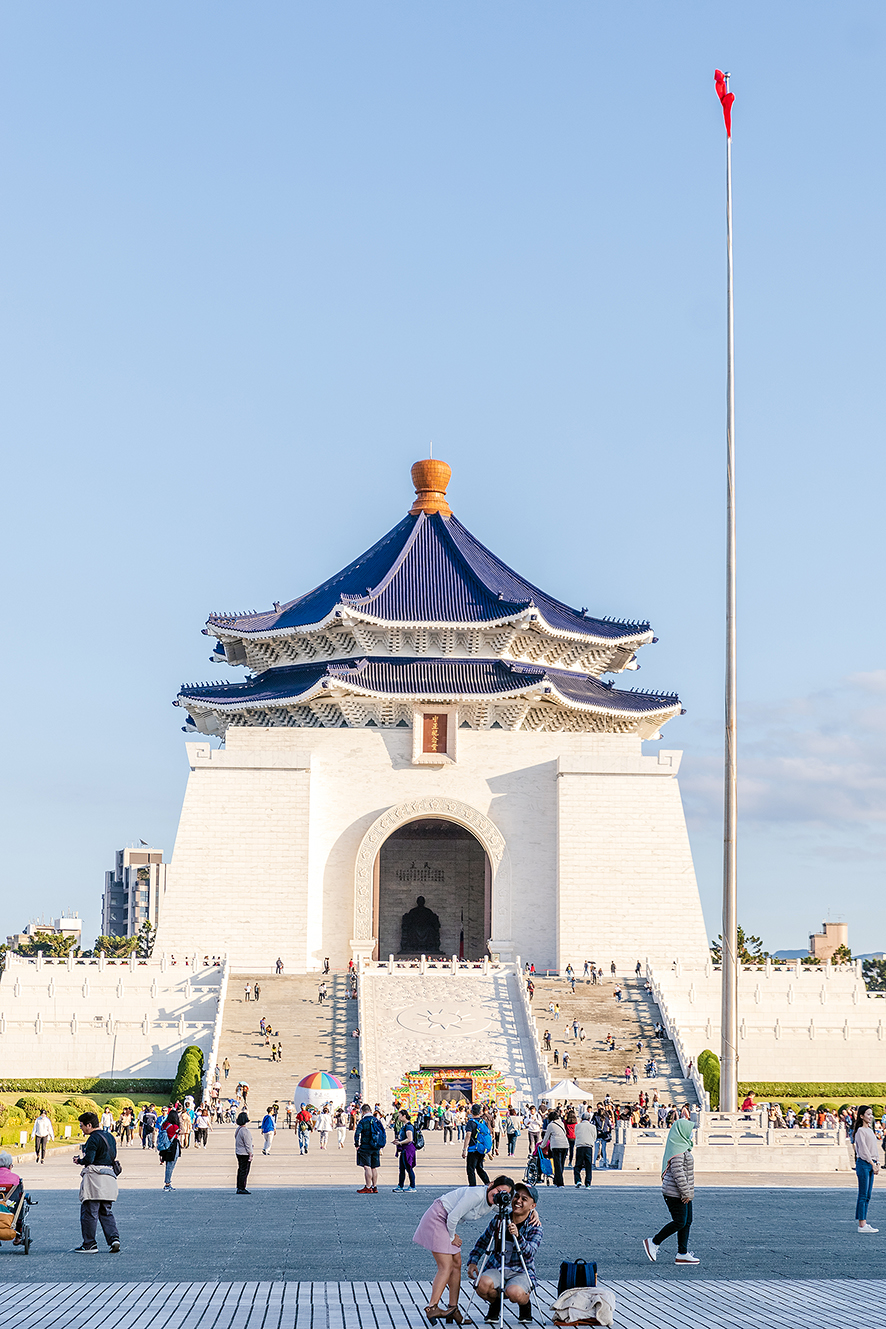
{"points": [[114, 1247], [85, 1250], [866, 1227], [525, 1314], [493, 1311], [401, 1189], [375, 1190], [244, 1192], [365, 1190], [688, 1258], [578, 1185], [650, 1248]]}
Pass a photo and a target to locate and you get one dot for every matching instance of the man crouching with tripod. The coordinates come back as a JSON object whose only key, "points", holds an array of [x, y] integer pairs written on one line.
{"points": [[508, 1246]]}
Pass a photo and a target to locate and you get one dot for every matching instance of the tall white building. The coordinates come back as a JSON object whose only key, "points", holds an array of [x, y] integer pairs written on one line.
{"points": [[428, 723], [133, 891]]}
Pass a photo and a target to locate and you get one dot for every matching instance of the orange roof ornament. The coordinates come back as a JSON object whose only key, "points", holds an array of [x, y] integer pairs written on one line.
{"points": [[430, 478]]}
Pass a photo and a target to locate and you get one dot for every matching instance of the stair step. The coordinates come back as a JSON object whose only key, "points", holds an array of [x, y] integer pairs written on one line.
{"points": [[315, 1035]]}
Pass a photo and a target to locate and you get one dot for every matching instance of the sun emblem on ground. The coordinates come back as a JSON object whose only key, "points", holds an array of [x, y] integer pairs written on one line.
{"points": [[446, 1017]]}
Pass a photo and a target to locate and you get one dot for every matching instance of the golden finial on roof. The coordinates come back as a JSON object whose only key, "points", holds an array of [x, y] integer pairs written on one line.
{"points": [[430, 478]]}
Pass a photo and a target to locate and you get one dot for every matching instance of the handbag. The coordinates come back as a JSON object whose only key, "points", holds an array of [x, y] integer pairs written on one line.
{"points": [[117, 1167], [544, 1163], [577, 1273]]}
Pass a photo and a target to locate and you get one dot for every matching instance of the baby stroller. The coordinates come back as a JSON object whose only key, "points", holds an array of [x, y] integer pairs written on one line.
{"points": [[14, 1206], [539, 1169]]}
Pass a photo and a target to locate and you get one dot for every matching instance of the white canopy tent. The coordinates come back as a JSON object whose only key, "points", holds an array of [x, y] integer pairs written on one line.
{"points": [[568, 1091]]}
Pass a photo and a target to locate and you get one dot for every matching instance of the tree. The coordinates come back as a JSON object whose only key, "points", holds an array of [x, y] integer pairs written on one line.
{"points": [[842, 955], [116, 948], [147, 935], [50, 943], [874, 972], [750, 949]]}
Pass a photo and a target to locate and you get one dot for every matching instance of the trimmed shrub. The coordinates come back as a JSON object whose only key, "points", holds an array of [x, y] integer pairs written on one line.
{"points": [[33, 1104], [83, 1105], [11, 1116], [118, 1104], [189, 1074], [709, 1066], [65, 1116]]}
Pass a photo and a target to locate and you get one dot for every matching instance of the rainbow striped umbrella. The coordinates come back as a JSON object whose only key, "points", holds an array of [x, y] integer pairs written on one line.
{"points": [[320, 1080]]}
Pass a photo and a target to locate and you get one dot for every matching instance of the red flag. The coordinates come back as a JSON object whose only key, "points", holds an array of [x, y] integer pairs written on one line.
{"points": [[726, 99]]}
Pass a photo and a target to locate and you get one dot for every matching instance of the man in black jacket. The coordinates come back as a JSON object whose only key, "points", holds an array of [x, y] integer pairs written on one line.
{"points": [[98, 1189]]}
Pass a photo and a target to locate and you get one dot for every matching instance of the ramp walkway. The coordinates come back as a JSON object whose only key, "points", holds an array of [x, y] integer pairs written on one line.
{"points": [[412, 1018]]}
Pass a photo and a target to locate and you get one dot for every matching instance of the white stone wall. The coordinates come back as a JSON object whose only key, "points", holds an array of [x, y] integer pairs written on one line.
{"points": [[796, 1022], [627, 888], [111, 1019], [266, 853]]}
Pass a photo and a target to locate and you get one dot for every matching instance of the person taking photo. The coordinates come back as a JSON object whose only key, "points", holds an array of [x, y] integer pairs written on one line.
{"points": [[524, 1234], [436, 1232]]}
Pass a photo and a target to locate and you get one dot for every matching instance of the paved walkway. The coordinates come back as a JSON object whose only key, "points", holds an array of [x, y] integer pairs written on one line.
{"points": [[315, 1232], [398, 1305], [439, 1164]]}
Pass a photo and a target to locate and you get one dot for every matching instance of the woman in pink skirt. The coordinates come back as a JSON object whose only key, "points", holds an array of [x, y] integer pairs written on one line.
{"points": [[436, 1232]]}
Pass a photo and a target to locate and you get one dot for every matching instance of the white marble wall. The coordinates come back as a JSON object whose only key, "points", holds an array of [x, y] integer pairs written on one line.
{"points": [[596, 860], [795, 1023], [112, 1020]]}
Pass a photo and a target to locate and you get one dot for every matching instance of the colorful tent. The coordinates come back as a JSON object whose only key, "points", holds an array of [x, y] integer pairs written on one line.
{"points": [[320, 1087]]}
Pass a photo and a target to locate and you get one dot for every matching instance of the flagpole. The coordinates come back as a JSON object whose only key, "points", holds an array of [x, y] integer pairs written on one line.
{"points": [[729, 952]]}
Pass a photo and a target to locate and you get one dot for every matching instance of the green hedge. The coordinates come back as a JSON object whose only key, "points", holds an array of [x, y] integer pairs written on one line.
{"points": [[190, 1074], [89, 1085], [774, 1089]]}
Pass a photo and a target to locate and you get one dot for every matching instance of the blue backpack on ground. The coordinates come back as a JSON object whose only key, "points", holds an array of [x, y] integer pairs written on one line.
{"points": [[482, 1138]]}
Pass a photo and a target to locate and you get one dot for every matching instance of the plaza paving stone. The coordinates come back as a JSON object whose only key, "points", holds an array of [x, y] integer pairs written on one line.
{"points": [[293, 1228]]}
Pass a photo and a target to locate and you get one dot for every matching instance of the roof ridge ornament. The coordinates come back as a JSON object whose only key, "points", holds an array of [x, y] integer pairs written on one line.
{"points": [[430, 478]]}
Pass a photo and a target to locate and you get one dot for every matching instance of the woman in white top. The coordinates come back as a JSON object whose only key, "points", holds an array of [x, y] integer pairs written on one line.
{"points": [[867, 1163], [324, 1125], [436, 1232]]}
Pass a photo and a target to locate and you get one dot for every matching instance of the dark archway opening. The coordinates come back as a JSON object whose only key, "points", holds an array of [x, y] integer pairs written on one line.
{"points": [[446, 865]]}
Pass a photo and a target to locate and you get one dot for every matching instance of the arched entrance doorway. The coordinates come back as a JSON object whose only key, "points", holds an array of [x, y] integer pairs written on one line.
{"points": [[443, 865]]}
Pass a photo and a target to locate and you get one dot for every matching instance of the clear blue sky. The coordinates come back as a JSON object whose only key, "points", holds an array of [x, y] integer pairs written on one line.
{"points": [[256, 256]]}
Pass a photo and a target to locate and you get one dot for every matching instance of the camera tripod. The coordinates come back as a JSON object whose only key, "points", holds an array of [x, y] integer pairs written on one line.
{"points": [[499, 1244]]}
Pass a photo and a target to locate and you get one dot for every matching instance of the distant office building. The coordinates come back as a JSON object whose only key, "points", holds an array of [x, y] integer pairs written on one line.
{"points": [[133, 891], [69, 925], [832, 936]]}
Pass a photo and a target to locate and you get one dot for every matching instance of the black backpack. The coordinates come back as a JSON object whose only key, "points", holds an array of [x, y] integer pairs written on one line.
{"points": [[577, 1273]]}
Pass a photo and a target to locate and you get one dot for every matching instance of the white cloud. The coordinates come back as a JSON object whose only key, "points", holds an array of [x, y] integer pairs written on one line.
{"points": [[815, 760]]}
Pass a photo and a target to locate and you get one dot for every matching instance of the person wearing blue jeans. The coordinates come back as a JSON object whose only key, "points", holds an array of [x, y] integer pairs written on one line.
{"points": [[604, 1135], [867, 1164]]}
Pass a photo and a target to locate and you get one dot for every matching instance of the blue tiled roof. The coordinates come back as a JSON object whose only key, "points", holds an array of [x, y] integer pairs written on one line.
{"points": [[427, 678], [428, 569]]}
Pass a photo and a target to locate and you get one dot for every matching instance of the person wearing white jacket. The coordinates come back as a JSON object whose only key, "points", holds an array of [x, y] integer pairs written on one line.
{"points": [[41, 1133], [436, 1232]]}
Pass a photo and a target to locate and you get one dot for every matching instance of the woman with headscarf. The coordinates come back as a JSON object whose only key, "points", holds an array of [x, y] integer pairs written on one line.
{"points": [[678, 1189]]}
